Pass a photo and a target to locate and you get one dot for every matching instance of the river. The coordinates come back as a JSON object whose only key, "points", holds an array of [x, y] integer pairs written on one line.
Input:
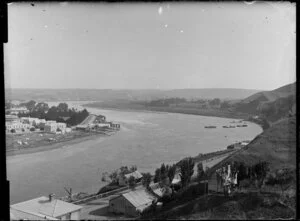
{"points": [[146, 140]]}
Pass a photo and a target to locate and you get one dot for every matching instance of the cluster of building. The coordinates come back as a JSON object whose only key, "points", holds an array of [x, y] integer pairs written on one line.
{"points": [[25, 123], [18, 110], [96, 121], [135, 202]]}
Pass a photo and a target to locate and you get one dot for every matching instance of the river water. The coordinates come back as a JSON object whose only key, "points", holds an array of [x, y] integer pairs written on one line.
{"points": [[146, 139]]}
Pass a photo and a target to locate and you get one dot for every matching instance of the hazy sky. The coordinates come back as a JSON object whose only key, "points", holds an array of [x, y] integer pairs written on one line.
{"points": [[150, 45]]}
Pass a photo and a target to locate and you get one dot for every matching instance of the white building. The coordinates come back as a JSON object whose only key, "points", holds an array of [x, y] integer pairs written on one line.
{"points": [[45, 208], [17, 110], [16, 126], [33, 121], [51, 127]]}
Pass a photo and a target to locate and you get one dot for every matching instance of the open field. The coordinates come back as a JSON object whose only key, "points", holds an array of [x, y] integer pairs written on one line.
{"points": [[40, 141]]}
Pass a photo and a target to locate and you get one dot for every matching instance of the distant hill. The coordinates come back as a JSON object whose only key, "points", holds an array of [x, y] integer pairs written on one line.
{"points": [[277, 145], [109, 94], [273, 105], [269, 96]]}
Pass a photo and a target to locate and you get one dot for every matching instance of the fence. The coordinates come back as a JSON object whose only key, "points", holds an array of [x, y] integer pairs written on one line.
{"points": [[97, 196]]}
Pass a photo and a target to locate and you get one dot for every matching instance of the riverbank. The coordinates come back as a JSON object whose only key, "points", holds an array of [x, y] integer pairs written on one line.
{"points": [[202, 112], [13, 151], [189, 111]]}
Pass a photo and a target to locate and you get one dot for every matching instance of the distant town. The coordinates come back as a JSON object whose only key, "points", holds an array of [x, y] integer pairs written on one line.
{"points": [[32, 124]]}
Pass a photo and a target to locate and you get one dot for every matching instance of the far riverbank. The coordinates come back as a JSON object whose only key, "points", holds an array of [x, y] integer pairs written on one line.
{"points": [[199, 112]]}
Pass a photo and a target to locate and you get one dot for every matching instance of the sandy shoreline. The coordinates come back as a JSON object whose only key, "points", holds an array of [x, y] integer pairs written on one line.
{"points": [[53, 146]]}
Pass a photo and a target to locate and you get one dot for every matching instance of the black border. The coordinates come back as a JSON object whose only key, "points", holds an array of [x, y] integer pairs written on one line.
{"points": [[4, 183]]}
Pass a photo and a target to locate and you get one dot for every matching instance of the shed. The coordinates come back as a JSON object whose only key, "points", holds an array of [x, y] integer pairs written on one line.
{"points": [[132, 203]]}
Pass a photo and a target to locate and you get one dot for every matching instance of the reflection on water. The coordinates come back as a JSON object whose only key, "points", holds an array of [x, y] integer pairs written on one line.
{"points": [[145, 140]]}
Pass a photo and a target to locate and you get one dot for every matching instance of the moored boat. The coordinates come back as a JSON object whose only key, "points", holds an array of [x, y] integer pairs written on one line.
{"points": [[210, 127]]}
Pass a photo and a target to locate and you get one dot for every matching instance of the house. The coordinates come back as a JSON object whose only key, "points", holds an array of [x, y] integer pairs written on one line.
{"points": [[82, 127], [13, 122], [50, 128], [62, 127], [103, 124], [100, 119], [45, 208], [17, 110], [132, 203], [11, 118], [114, 125], [123, 180], [160, 190]]}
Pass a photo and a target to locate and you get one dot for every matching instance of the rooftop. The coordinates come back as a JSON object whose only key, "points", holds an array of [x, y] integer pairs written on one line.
{"points": [[139, 198], [136, 174], [42, 206]]}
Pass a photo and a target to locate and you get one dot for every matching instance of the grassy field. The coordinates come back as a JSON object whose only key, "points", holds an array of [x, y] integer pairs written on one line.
{"points": [[38, 141]]}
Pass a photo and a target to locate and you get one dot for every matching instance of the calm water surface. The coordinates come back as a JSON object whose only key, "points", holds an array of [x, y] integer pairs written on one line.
{"points": [[146, 140]]}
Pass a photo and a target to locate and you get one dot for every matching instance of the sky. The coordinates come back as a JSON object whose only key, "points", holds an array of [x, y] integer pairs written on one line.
{"points": [[150, 45]]}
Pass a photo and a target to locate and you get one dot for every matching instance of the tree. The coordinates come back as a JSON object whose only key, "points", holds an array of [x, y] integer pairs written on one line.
{"points": [[62, 107], [215, 101], [259, 172], [41, 107], [131, 182], [133, 168], [146, 180], [225, 105], [124, 170], [13, 131], [200, 171], [171, 172], [163, 172], [187, 170], [29, 105], [32, 129], [58, 130], [156, 175], [114, 177]]}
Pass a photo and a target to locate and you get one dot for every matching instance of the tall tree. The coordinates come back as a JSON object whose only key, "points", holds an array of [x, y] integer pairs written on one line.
{"points": [[131, 182], [200, 171], [171, 172], [146, 180], [157, 175], [187, 170], [62, 107]]}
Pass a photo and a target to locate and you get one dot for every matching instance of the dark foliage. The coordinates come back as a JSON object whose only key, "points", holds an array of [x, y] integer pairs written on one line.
{"points": [[186, 170], [42, 111]]}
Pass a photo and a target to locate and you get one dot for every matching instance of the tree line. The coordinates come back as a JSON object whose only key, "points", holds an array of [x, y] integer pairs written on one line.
{"points": [[60, 113]]}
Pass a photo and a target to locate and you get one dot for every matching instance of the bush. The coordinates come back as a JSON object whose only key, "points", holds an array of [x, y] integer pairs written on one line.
{"points": [[283, 178], [108, 188], [189, 192], [13, 131], [32, 129]]}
